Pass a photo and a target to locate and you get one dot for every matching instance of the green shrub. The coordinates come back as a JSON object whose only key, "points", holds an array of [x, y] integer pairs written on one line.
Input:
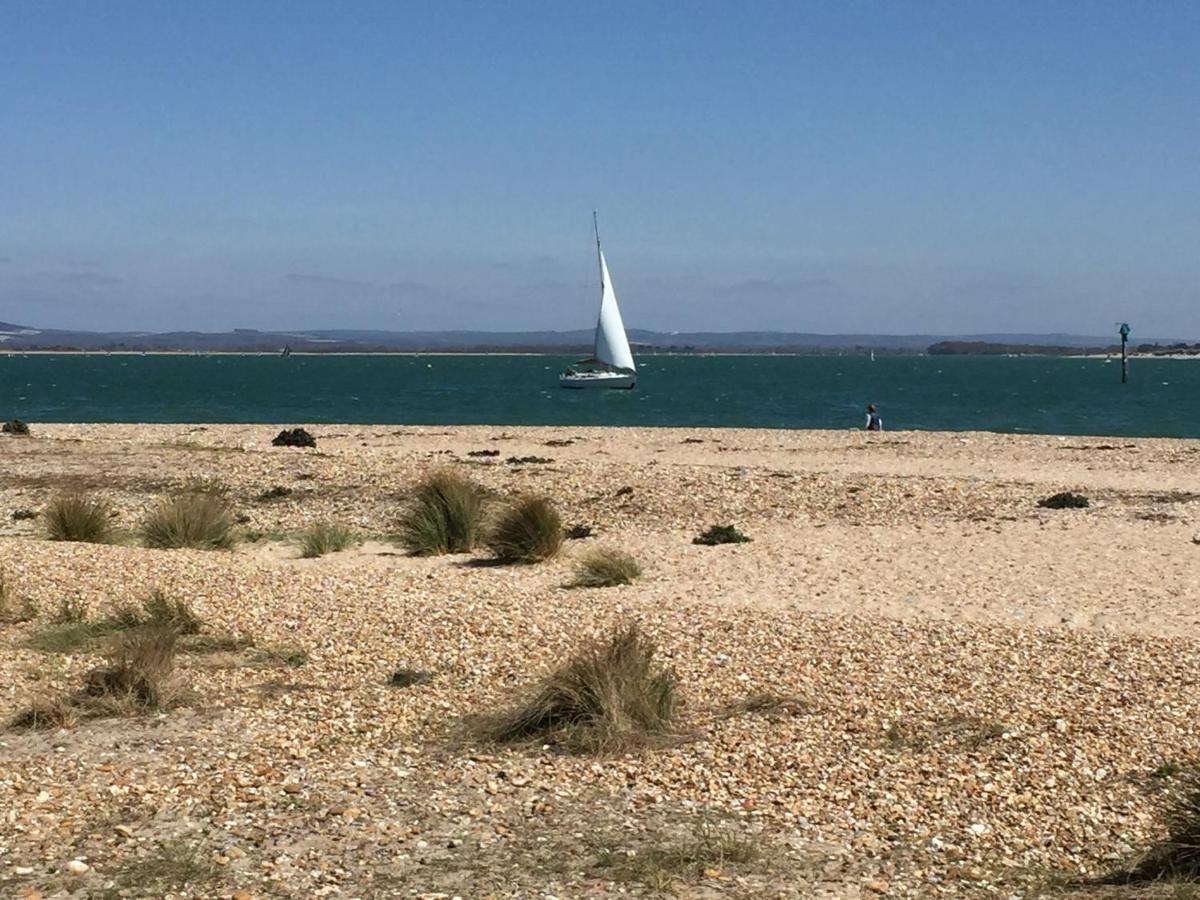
{"points": [[445, 515], [527, 531], [606, 568], [609, 696], [201, 520], [78, 517], [15, 426], [324, 537], [720, 534]]}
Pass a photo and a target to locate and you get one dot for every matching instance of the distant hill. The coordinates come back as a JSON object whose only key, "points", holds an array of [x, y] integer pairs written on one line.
{"points": [[18, 337]]}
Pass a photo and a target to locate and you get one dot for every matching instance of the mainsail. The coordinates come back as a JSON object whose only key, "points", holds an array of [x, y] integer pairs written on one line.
{"points": [[612, 346]]}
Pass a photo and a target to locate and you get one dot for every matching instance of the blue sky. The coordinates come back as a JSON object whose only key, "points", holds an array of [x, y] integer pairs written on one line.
{"points": [[835, 167]]}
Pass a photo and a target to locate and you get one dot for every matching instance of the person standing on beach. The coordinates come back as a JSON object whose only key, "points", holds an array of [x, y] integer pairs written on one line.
{"points": [[874, 422]]}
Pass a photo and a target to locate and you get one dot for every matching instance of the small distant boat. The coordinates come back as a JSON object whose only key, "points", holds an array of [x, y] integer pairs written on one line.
{"points": [[286, 352], [611, 363], [872, 356]]}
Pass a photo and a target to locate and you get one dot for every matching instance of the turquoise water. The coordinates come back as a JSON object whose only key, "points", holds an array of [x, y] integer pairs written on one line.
{"points": [[1026, 394]]}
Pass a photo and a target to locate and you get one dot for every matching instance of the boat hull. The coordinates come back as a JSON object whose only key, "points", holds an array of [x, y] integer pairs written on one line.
{"points": [[585, 380]]}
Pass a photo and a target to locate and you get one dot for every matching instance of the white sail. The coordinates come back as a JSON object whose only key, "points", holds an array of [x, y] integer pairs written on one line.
{"points": [[612, 346]]}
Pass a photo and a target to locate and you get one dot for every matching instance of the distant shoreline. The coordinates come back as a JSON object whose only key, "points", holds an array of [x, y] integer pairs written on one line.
{"points": [[824, 354]]}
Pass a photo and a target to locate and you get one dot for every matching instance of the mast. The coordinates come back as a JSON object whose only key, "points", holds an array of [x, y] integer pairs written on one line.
{"points": [[600, 267]]}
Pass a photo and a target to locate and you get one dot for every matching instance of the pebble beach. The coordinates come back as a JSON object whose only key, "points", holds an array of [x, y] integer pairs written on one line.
{"points": [[977, 696]]}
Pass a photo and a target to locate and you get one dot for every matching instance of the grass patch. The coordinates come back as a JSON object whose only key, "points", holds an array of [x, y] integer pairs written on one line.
{"points": [[173, 864], [610, 696], [1064, 500], [73, 632], [445, 515], [15, 426], [1166, 770], [197, 519], [606, 568], [527, 531], [135, 681], [1176, 858], [707, 852], [324, 537], [78, 517], [720, 534]]}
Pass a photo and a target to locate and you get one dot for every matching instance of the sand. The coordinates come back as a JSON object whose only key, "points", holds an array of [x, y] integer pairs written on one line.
{"points": [[988, 693]]}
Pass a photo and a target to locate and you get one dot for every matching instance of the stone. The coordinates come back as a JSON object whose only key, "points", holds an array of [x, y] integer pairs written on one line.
{"points": [[78, 867]]}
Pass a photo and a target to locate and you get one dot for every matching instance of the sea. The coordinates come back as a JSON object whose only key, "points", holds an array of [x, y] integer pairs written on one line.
{"points": [[1021, 395]]}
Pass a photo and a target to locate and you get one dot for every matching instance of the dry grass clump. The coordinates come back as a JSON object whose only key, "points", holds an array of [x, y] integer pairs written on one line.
{"points": [[445, 515], [605, 567], [197, 519], [527, 531], [15, 426], [12, 612], [1176, 858], [78, 517], [610, 696], [707, 850], [171, 865], [324, 537], [135, 681]]}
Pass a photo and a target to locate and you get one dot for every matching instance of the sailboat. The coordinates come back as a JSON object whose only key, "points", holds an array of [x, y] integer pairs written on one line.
{"points": [[611, 363]]}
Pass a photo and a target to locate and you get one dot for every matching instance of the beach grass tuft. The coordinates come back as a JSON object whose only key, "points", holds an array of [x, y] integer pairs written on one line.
{"points": [[609, 697], [197, 519], [445, 515], [15, 426], [325, 537], [1175, 858], [605, 567], [528, 530], [80, 517], [720, 534], [136, 680]]}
